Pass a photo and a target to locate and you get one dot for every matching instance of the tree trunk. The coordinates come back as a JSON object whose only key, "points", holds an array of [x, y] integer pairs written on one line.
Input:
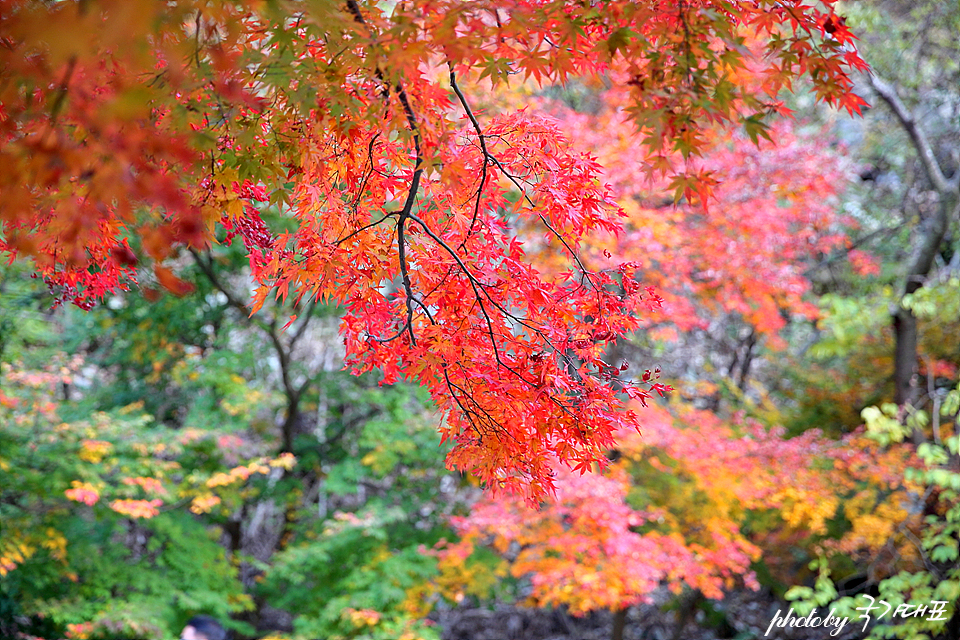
{"points": [[905, 331], [934, 228], [291, 419], [905, 355], [619, 624]]}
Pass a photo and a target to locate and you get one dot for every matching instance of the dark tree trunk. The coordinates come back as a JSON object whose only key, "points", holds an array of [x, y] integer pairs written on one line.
{"points": [[619, 624], [689, 602], [291, 420], [933, 229], [905, 355]]}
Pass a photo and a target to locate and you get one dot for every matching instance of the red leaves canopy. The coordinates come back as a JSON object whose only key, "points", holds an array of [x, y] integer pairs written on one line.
{"points": [[131, 119]]}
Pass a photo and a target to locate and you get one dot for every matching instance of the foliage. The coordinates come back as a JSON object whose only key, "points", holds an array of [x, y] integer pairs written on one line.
{"points": [[360, 573], [348, 119], [356, 579], [91, 534], [746, 252], [114, 525], [693, 503], [25, 323], [933, 575], [510, 205]]}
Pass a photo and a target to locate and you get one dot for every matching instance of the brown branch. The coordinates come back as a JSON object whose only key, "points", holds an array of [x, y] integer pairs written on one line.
{"points": [[478, 293], [232, 299], [889, 95], [354, 10], [364, 228], [523, 192], [293, 392]]}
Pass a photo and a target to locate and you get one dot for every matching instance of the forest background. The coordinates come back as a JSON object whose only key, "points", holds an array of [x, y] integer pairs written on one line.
{"points": [[165, 450]]}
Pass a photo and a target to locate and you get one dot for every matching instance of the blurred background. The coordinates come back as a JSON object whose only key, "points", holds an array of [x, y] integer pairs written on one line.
{"points": [[164, 456]]}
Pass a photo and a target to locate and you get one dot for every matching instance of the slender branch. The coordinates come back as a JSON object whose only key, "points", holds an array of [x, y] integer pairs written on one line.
{"points": [[61, 93], [232, 299], [480, 418], [483, 151], [407, 326], [354, 10], [305, 322], [270, 328], [889, 95], [842, 253], [403, 330], [283, 355], [583, 268], [364, 228], [402, 244], [366, 176], [479, 289], [479, 292], [196, 38], [404, 213], [513, 179]]}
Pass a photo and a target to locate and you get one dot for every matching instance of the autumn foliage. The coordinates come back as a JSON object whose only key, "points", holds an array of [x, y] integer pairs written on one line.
{"points": [[302, 234], [134, 130], [693, 504]]}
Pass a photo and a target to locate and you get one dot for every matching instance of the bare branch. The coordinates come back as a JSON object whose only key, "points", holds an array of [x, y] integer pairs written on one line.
{"points": [[293, 392], [889, 95], [232, 299], [305, 322], [366, 176], [573, 254]]}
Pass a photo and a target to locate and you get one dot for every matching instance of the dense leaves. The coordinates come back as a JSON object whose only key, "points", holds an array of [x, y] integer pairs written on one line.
{"points": [[89, 511], [521, 207], [124, 121]]}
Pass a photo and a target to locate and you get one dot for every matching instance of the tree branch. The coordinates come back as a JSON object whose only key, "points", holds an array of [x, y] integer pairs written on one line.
{"points": [[232, 299], [483, 151], [404, 213], [543, 219], [303, 325], [889, 95]]}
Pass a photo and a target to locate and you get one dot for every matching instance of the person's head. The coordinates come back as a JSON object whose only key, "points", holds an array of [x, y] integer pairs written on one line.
{"points": [[203, 628]]}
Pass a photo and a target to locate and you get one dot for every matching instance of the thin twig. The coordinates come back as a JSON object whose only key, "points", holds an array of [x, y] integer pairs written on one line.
{"points": [[61, 96], [364, 228], [483, 151]]}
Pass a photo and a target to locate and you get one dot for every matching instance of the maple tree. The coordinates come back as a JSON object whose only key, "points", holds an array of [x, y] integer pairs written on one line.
{"points": [[901, 322], [694, 504], [117, 526], [167, 122], [734, 274], [710, 494], [925, 138], [72, 489]]}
